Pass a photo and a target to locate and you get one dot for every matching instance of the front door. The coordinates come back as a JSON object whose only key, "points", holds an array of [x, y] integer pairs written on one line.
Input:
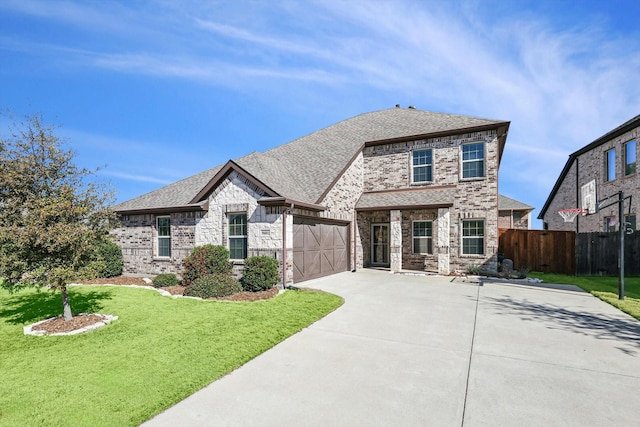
{"points": [[380, 244]]}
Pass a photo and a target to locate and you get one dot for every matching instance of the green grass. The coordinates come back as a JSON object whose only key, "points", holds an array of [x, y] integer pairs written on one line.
{"points": [[604, 287], [158, 352]]}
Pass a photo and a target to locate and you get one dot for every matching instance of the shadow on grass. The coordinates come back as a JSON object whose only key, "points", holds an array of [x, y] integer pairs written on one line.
{"points": [[28, 308], [600, 326]]}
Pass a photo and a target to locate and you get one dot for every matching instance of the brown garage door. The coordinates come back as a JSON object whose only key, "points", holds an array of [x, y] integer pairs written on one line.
{"points": [[319, 248]]}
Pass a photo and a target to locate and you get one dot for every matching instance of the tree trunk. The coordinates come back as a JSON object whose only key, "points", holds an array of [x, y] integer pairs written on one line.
{"points": [[65, 303]]}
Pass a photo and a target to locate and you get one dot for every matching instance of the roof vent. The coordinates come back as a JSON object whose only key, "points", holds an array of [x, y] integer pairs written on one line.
{"points": [[413, 107], [397, 105]]}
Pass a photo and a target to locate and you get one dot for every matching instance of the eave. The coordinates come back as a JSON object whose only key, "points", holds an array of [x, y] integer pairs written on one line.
{"points": [[199, 207], [289, 203]]}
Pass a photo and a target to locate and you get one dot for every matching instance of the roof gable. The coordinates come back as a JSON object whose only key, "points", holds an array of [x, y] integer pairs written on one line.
{"points": [[224, 172]]}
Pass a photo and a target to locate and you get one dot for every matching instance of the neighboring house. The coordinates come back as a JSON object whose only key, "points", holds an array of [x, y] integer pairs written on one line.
{"points": [[400, 188], [599, 170], [513, 214]]}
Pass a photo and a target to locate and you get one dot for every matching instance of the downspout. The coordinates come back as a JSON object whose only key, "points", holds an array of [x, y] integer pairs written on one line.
{"points": [[355, 255]]}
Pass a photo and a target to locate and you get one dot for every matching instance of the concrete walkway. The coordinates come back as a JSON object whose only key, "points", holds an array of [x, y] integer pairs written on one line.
{"points": [[436, 351]]}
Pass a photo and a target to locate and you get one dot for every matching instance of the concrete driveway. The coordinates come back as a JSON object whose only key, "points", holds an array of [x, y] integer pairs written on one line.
{"points": [[436, 351]]}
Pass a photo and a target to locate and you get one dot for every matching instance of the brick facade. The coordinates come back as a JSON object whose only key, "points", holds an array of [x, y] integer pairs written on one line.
{"points": [[375, 168], [138, 239], [387, 167], [589, 164]]}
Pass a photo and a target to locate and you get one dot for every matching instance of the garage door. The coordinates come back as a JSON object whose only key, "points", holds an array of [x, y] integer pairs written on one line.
{"points": [[319, 248]]}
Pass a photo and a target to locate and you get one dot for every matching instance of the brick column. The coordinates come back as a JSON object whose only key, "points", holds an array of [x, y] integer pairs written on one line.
{"points": [[395, 242], [443, 242]]}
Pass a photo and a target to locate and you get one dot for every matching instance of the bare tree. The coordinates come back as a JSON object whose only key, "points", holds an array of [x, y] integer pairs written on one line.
{"points": [[51, 214]]}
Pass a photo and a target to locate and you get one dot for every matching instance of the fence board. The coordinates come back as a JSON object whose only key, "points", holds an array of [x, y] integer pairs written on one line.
{"points": [[597, 254], [540, 250]]}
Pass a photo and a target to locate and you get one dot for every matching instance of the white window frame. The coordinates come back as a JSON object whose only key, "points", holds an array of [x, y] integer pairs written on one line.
{"points": [[427, 166], [608, 167], [163, 237], [429, 239], [483, 236], [630, 165], [243, 237], [463, 162]]}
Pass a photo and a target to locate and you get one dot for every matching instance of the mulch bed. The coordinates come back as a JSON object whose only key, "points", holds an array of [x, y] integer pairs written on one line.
{"points": [[58, 324], [179, 289]]}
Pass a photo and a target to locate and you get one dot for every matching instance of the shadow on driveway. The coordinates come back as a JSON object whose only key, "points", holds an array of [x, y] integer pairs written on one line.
{"points": [[598, 325]]}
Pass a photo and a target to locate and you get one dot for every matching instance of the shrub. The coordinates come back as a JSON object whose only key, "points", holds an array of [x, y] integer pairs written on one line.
{"points": [[213, 286], [260, 273], [165, 279], [205, 261], [111, 256], [473, 269]]}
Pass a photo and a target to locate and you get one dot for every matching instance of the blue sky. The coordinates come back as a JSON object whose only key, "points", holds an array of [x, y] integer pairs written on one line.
{"points": [[160, 90]]}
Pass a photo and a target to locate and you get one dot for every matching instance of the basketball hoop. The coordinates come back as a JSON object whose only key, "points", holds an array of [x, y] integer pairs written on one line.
{"points": [[570, 214]]}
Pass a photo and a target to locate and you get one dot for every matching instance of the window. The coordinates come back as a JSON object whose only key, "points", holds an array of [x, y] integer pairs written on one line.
{"points": [[473, 160], [630, 222], [422, 165], [611, 164], [630, 157], [609, 224], [473, 237], [164, 236], [422, 237], [238, 235]]}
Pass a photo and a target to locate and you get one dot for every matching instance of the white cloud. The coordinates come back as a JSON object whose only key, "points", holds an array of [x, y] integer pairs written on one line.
{"points": [[135, 177]]}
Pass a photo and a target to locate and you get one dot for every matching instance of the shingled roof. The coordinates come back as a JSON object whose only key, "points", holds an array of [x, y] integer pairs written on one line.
{"points": [[402, 199], [508, 204], [304, 169]]}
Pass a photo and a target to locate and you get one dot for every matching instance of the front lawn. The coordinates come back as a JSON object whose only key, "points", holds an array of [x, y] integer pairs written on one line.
{"points": [[604, 287], [158, 352]]}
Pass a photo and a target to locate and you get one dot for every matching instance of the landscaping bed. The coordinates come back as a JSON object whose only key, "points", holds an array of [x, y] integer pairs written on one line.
{"points": [[58, 325]]}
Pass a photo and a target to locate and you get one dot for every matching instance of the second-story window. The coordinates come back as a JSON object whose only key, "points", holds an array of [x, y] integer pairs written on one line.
{"points": [[473, 160], [422, 165], [611, 164], [630, 157]]}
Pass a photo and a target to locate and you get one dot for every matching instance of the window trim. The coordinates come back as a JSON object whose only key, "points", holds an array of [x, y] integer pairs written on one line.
{"points": [[428, 166], [626, 157], [483, 237], [483, 160], [162, 237], [427, 238], [244, 237], [607, 165]]}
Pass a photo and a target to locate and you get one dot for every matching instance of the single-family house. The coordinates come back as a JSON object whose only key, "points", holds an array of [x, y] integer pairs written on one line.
{"points": [[513, 214], [400, 188], [597, 173]]}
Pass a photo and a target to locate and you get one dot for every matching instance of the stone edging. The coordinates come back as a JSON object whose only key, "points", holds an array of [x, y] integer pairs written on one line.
{"points": [[106, 319]]}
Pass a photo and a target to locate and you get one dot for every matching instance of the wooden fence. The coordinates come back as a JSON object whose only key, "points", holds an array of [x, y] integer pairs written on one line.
{"points": [[597, 254], [540, 250]]}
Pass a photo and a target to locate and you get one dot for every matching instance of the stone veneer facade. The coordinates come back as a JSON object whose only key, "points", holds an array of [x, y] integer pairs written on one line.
{"points": [[589, 166]]}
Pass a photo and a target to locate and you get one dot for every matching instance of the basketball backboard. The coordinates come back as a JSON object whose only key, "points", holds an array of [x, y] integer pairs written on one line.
{"points": [[588, 197]]}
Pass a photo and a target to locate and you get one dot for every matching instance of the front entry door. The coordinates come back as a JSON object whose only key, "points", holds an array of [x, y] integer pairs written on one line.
{"points": [[380, 244]]}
